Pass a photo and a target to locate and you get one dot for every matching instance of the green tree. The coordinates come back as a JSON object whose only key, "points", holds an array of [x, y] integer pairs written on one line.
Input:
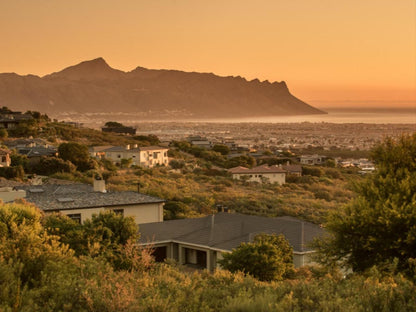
{"points": [[268, 258], [3, 134], [51, 165], [379, 226], [77, 154], [113, 124], [222, 149], [107, 233]]}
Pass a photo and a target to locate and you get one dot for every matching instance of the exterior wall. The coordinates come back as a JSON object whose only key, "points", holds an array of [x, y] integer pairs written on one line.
{"points": [[146, 213], [302, 259], [7, 194], [85, 213], [5, 160], [270, 177]]}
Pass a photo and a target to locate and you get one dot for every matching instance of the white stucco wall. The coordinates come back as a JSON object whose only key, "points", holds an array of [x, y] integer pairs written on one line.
{"points": [[145, 213]]}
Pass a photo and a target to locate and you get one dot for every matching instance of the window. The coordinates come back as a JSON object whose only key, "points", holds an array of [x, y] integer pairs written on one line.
{"points": [[75, 216], [119, 211], [155, 155]]}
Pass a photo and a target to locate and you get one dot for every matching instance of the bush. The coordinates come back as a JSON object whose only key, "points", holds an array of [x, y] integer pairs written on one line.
{"points": [[51, 165]]}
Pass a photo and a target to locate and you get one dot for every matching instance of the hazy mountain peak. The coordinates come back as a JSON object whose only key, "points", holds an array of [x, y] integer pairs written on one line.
{"points": [[88, 70]]}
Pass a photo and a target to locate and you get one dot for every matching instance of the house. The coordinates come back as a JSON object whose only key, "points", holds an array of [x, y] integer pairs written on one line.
{"points": [[34, 154], [200, 141], [33, 149], [98, 151], [294, 170], [147, 156], [200, 242], [312, 159], [5, 159], [10, 120], [81, 201], [264, 173]]}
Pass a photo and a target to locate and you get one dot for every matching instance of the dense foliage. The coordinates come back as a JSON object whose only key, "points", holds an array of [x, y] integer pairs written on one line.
{"points": [[38, 273], [379, 226], [267, 258]]}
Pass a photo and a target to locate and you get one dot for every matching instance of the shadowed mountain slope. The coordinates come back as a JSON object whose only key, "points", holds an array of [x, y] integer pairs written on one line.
{"points": [[93, 86]]}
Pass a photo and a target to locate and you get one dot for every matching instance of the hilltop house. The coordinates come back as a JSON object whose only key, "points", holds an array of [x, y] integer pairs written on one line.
{"points": [[81, 201], [312, 159], [5, 159], [264, 173], [10, 120], [294, 170], [200, 242], [147, 156]]}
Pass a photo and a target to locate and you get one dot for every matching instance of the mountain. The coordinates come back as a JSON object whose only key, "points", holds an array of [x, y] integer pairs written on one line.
{"points": [[94, 87]]}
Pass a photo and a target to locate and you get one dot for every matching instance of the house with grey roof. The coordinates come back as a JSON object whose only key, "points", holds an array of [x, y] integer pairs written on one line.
{"points": [[145, 156], [200, 242], [81, 201], [264, 173]]}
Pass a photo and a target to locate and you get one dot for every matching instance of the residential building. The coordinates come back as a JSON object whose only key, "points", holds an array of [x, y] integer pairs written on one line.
{"points": [[200, 242], [147, 156], [312, 159], [264, 173], [10, 120], [294, 170], [200, 141], [81, 201], [5, 159]]}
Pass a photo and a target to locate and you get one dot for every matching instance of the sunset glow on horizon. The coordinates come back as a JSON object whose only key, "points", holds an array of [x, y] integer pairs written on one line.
{"points": [[327, 51]]}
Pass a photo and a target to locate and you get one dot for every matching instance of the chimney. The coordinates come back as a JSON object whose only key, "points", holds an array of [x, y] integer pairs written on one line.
{"points": [[99, 185]]}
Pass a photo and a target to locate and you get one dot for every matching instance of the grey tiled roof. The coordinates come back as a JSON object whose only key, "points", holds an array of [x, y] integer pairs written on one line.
{"points": [[225, 231], [74, 196]]}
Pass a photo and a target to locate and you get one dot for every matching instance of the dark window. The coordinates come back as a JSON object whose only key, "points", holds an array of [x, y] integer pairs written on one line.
{"points": [[75, 216], [119, 211]]}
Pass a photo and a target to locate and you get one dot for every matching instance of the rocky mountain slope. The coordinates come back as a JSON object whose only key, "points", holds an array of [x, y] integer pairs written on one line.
{"points": [[94, 87]]}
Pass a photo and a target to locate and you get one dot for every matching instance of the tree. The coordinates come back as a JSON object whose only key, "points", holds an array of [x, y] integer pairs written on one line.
{"points": [[77, 154], [379, 226], [107, 233], [3, 134], [111, 124], [268, 258], [51, 165], [222, 149]]}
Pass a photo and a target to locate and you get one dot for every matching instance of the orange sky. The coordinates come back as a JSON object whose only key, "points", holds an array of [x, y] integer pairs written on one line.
{"points": [[327, 51]]}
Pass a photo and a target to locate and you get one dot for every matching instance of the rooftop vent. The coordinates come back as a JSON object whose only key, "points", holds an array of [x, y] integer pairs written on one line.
{"points": [[36, 190], [65, 200]]}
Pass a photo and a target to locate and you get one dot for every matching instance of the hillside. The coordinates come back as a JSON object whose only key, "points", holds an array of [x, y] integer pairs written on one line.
{"points": [[94, 87]]}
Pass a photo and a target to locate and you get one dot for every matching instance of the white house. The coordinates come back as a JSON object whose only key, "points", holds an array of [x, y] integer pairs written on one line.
{"points": [[271, 174], [147, 156]]}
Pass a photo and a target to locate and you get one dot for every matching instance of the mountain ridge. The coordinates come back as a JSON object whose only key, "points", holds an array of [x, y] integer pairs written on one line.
{"points": [[93, 86]]}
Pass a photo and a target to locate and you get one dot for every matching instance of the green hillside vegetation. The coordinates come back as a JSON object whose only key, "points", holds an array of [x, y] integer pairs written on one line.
{"points": [[39, 273], [198, 192]]}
